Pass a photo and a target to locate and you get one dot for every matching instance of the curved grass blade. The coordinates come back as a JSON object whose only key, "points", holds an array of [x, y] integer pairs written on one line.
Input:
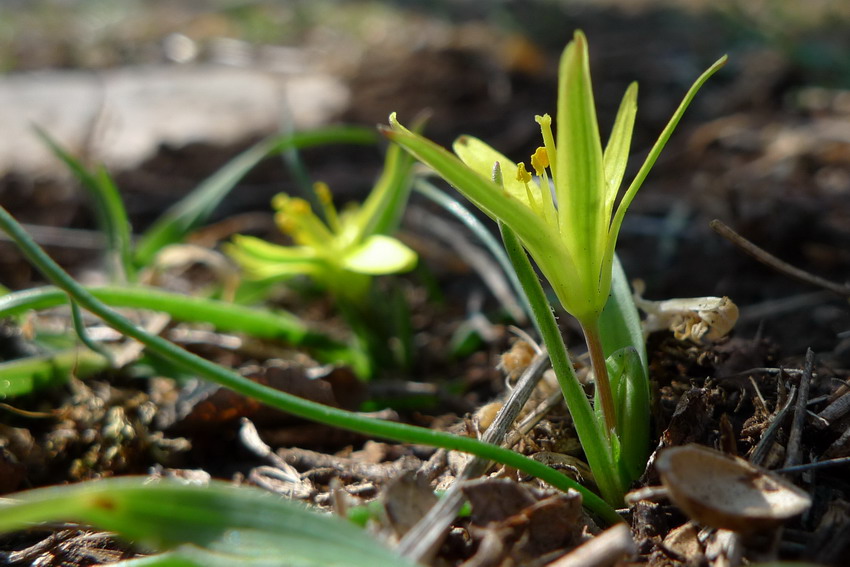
{"points": [[464, 215], [195, 208], [259, 323], [108, 208], [287, 402], [222, 523]]}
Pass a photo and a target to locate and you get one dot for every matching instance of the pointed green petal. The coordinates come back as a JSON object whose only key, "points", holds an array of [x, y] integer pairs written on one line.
{"points": [[617, 221], [382, 210], [262, 260], [580, 176], [480, 157], [616, 154], [379, 255]]}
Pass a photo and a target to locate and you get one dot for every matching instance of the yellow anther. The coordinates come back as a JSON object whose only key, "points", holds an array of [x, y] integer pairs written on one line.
{"points": [[280, 200], [540, 160], [323, 192], [285, 223], [297, 207], [522, 174]]}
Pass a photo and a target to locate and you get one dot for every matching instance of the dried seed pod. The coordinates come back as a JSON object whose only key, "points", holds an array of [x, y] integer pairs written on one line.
{"points": [[727, 492]]}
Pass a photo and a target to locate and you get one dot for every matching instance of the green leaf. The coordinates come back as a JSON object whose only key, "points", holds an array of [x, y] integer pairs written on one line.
{"points": [[224, 316], [239, 525], [619, 323], [628, 385], [620, 329], [630, 193], [382, 210], [616, 154], [378, 255]]}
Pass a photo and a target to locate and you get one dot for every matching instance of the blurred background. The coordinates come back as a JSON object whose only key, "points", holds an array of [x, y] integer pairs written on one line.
{"points": [[164, 93]]}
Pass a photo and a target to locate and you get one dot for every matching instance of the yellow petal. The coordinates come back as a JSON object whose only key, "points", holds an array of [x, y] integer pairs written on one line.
{"points": [[480, 157]]}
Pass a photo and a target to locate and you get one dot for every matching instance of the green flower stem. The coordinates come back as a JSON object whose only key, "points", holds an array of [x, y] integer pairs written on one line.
{"points": [[287, 402], [594, 441], [600, 374]]}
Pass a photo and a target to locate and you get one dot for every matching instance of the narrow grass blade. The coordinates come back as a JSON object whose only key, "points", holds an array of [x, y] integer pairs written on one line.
{"points": [[287, 402], [195, 208], [108, 208], [259, 323], [622, 207], [241, 525]]}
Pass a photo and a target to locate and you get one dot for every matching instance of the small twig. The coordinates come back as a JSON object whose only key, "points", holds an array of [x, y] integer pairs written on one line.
{"points": [[762, 370], [794, 449], [835, 410], [772, 308], [816, 465], [769, 259], [426, 536], [532, 419], [604, 550], [840, 445], [767, 438]]}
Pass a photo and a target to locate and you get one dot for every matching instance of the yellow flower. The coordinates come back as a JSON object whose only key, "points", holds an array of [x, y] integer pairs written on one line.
{"points": [[571, 235], [340, 255]]}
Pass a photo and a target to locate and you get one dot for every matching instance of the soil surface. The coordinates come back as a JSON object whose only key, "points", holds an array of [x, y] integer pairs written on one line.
{"points": [[765, 148]]}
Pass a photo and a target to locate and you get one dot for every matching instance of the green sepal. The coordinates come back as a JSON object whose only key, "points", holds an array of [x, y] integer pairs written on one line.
{"points": [[264, 260]]}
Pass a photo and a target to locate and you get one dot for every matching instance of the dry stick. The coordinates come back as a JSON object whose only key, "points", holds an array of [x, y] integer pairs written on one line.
{"points": [[839, 445], [604, 550], [794, 449], [769, 259], [835, 410], [533, 418], [840, 461], [426, 536], [763, 446]]}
